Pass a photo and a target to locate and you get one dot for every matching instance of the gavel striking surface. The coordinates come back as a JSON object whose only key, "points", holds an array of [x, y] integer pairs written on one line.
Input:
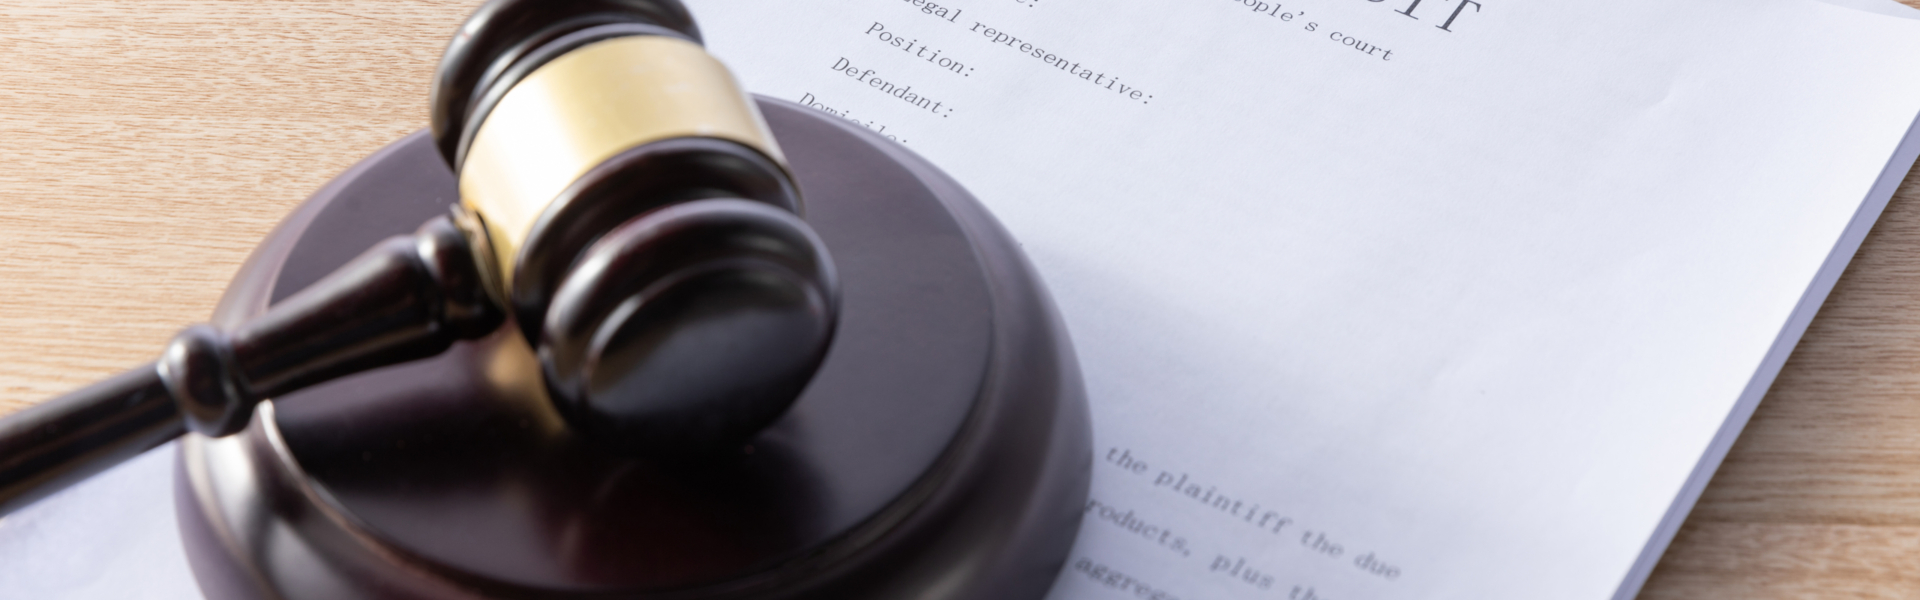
{"points": [[945, 439]]}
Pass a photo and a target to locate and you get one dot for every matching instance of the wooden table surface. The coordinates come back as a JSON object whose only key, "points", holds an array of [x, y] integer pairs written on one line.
{"points": [[145, 147]]}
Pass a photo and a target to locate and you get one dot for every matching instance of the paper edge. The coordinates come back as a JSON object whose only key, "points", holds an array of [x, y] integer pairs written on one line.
{"points": [[1864, 218]]}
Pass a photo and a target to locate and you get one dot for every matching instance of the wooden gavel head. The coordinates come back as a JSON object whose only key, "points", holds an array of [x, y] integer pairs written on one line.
{"points": [[622, 201], [627, 205]]}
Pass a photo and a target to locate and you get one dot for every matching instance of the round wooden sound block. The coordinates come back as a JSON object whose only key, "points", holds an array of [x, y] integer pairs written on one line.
{"points": [[941, 451]]}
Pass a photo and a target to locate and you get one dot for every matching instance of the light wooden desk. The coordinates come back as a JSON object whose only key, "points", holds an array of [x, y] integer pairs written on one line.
{"points": [[144, 148]]}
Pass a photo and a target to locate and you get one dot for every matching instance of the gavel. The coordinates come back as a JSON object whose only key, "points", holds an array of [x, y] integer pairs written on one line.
{"points": [[622, 204]]}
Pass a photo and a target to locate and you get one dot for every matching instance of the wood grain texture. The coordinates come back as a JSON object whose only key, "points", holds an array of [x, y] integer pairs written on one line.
{"points": [[148, 145]]}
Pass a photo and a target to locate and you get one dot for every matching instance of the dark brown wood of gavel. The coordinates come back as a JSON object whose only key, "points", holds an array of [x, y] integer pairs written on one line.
{"points": [[624, 206]]}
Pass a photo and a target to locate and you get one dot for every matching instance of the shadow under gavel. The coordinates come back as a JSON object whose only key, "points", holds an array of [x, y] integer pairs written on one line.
{"points": [[621, 201]]}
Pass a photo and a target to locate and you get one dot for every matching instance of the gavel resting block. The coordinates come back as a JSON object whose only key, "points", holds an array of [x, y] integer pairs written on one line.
{"points": [[945, 435]]}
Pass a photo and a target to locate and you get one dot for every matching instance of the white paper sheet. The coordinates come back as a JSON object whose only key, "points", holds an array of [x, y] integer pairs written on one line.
{"points": [[1473, 312], [112, 537]]}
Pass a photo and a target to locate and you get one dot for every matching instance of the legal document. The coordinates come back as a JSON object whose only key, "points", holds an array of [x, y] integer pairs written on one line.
{"points": [[1388, 299]]}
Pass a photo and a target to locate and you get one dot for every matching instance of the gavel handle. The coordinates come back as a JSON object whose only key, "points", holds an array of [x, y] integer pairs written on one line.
{"points": [[406, 298], [61, 441]]}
